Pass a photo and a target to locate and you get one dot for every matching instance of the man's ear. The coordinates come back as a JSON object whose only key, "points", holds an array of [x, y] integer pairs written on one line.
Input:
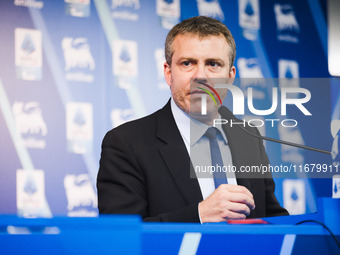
{"points": [[232, 73], [167, 73]]}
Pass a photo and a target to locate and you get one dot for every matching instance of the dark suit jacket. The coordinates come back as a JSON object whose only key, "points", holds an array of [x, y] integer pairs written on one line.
{"points": [[145, 169]]}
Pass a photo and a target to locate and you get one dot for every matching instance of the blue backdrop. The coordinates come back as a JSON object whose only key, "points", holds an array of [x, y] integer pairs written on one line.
{"points": [[72, 70]]}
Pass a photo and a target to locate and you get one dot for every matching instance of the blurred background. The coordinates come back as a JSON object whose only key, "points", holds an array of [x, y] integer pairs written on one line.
{"points": [[71, 70]]}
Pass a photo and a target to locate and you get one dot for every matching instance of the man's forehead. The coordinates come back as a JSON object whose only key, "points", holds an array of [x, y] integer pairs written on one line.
{"points": [[180, 39], [199, 37]]}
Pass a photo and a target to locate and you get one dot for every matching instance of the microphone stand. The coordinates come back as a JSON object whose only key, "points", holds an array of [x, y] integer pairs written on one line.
{"points": [[225, 112]]}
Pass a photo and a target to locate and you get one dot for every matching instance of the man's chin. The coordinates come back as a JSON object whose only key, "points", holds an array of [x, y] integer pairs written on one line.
{"points": [[206, 118]]}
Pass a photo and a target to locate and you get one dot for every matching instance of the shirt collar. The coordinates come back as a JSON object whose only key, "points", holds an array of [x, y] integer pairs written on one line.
{"points": [[191, 129]]}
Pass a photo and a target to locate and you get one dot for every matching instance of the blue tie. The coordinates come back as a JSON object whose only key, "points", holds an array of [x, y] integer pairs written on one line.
{"points": [[216, 158]]}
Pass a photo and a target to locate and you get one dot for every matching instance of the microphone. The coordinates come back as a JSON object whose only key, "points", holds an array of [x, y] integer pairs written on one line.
{"points": [[228, 115]]}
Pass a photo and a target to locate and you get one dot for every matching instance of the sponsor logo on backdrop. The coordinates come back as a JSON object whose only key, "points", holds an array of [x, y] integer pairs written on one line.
{"points": [[30, 124], [336, 186], [251, 76], [78, 59], [289, 78], [28, 54], [30, 193], [249, 18], [210, 8], [79, 127], [335, 149], [168, 8], [159, 61], [287, 27], [125, 62], [289, 70], [291, 154], [120, 116], [125, 3], [125, 9], [78, 8], [335, 128], [294, 197], [81, 197], [169, 12], [29, 3]]}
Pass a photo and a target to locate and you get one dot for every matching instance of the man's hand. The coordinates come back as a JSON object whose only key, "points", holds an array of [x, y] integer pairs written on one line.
{"points": [[225, 203]]}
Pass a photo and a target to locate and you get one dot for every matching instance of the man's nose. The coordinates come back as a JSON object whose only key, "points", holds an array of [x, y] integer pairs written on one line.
{"points": [[201, 72]]}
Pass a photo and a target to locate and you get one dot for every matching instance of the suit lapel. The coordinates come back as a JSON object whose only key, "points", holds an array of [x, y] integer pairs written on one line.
{"points": [[176, 157]]}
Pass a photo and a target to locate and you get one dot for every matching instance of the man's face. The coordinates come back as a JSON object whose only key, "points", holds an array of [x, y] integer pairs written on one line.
{"points": [[199, 61]]}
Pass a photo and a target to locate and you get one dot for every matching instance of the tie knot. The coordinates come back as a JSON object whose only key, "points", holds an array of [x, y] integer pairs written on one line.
{"points": [[211, 133]]}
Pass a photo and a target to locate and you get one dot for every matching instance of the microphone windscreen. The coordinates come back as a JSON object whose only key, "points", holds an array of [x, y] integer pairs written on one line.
{"points": [[226, 113]]}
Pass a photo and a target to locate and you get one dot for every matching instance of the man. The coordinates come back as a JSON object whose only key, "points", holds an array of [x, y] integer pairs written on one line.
{"points": [[145, 166]]}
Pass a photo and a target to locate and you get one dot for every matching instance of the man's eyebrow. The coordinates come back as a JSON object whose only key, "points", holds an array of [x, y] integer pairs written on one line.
{"points": [[215, 59], [219, 60], [185, 59]]}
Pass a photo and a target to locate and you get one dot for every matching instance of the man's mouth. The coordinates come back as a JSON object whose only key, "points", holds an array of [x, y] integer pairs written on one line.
{"points": [[204, 88], [197, 92], [197, 88]]}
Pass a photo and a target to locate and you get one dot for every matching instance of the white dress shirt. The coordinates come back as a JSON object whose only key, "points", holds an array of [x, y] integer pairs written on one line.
{"points": [[198, 147]]}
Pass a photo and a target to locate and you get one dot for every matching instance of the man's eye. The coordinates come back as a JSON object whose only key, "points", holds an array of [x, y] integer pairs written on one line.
{"points": [[186, 63], [214, 64]]}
